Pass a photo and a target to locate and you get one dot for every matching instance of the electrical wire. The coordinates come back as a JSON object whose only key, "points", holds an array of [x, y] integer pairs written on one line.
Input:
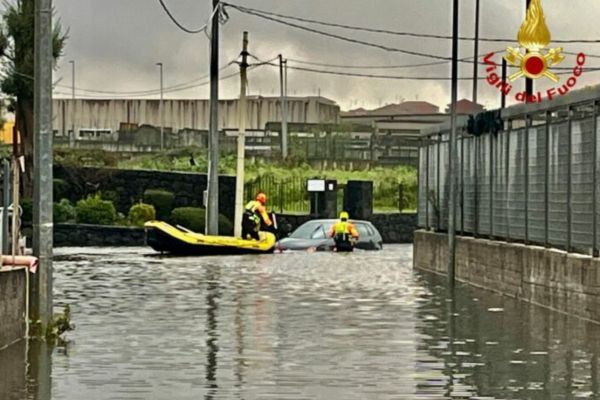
{"points": [[179, 25], [390, 32]]}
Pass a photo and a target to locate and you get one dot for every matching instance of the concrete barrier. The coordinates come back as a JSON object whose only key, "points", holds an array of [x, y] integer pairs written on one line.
{"points": [[565, 282], [12, 306]]}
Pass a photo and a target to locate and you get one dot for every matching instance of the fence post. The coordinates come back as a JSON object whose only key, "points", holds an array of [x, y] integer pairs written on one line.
{"points": [[507, 178], [569, 177], [594, 178], [437, 193], [462, 184], [491, 200], [528, 123], [547, 179], [477, 146], [281, 200], [427, 186]]}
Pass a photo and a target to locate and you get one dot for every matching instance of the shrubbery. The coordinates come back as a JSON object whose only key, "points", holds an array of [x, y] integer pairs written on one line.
{"points": [[94, 210], [63, 211], [194, 218], [27, 208], [61, 189], [141, 213], [162, 201]]}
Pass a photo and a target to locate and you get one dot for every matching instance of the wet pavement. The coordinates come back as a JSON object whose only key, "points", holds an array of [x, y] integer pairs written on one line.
{"points": [[295, 326]]}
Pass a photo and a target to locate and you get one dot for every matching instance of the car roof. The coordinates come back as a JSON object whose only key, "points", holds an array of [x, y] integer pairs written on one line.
{"points": [[335, 220]]}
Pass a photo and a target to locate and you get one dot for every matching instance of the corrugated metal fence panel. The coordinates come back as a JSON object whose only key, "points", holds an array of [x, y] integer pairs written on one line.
{"points": [[444, 186], [499, 185], [516, 185], [537, 189], [582, 184], [422, 200], [558, 181], [483, 185], [432, 194], [469, 186]]}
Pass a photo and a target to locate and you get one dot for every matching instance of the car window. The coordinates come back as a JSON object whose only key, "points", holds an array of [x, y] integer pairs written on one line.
{"points": [[319, 233], [362, 230], [306, 230]]}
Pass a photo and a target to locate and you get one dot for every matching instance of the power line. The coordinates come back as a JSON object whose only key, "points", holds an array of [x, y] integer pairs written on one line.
{"points": [[179, 25], [390, 32]]}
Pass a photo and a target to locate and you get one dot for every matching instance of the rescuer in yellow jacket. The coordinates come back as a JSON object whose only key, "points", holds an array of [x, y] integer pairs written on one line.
{"points": [[344, 233], [255, 212]]}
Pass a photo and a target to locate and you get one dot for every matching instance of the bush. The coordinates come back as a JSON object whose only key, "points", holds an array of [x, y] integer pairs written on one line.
{"points": [[162, 200], [63, 211], [61, 189], [194, 218], [94, 210], [141, 213]]}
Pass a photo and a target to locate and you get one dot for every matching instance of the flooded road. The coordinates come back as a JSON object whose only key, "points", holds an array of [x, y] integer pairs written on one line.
{"points": [[295, 326]]}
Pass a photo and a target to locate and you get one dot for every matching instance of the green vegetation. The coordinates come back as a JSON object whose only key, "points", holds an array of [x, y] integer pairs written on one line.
{"points": [[162, 200], [63, 212], [27, 210], [141, 213], [194, 218], [386, 180], [94, 210], [61, 189]]}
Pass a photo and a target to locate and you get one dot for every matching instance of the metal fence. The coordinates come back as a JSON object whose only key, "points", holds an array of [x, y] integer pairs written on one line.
{"points": [[285, 195], [535, 181]]}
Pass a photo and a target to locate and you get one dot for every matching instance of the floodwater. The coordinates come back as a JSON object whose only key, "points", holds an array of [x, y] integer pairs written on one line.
{"points": [[294, 326]]}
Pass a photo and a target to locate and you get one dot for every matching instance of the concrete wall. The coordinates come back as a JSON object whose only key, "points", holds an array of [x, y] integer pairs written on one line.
{"points": [[193, 114], [565, 282], [12, 307]]}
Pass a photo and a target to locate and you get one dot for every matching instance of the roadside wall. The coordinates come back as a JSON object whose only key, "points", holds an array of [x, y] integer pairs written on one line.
{"points": [[565, 282], [12, 307], [394, 228], [131, 184]]}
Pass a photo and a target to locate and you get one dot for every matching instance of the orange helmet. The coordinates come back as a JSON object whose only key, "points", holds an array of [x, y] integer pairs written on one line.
{"points": [[261, 198]]}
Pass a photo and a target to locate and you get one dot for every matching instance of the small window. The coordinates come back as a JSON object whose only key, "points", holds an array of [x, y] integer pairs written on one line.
{"points": [[319, 233]]}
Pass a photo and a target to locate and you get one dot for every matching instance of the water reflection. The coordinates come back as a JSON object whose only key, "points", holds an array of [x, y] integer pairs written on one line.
{"points": [[295, 326]]}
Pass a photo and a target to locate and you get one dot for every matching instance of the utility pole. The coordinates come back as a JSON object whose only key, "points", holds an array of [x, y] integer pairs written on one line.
{"points": [[528, 81], [212, 206], [283, 84], [241, 143], [42, 163], [452, 155], [476, 56], [161, 109], [72, 135]]}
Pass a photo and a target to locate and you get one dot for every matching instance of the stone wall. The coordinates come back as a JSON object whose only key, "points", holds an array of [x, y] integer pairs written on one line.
{"points": [[565, 282], [12, 307], [131, 184]]}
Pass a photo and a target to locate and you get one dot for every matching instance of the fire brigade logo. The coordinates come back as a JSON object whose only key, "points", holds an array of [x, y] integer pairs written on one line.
{"points": [[533, 60], [534, 36]]}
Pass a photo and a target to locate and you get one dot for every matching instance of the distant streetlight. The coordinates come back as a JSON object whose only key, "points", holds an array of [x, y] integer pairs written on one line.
{"points": [[72, 135], [161, 110]]}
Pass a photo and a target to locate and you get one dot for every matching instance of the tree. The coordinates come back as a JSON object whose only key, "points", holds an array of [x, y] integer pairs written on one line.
{"points": [[17, 49]]}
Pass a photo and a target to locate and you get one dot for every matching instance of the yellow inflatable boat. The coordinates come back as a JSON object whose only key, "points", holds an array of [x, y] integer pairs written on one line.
{"points": [[178, 240]]}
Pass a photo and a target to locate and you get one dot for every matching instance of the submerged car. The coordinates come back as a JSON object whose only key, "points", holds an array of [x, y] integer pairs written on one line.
{"points": [[315, 235]]}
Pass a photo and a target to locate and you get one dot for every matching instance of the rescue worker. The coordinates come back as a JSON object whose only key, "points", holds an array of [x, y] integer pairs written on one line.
{"points": [[344, 233], [255, 213]]}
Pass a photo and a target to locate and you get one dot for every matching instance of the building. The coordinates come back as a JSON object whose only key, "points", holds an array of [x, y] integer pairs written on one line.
{"points": [[99, 119]]}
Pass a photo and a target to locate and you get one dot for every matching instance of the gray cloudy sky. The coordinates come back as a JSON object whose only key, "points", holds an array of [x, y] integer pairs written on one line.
{"points": [[116, 44]]}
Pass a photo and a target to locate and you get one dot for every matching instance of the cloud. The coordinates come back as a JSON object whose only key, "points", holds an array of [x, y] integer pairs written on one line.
{"points": [[117, 43]]}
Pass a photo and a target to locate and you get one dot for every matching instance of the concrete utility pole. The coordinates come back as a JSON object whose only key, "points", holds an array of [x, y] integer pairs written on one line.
{"points": [[476, 55], [212, 206], [161, 109], [42, 162], [283, 84], [528, 81], [452, 155], [241, 143], [72, 135]]}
